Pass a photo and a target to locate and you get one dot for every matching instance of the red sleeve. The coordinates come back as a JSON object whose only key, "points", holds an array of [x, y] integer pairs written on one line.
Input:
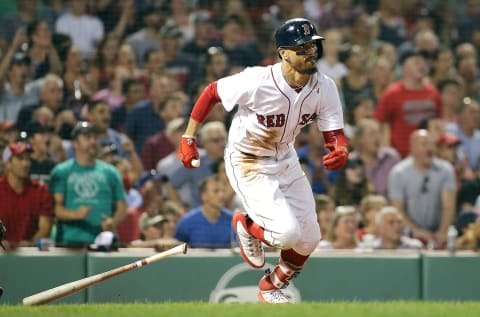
{"points": [[205, 103], [336, 137]]}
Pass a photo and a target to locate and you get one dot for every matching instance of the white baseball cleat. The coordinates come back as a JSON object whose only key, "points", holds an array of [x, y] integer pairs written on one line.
{"points": [[250, 247], [274, 296]]}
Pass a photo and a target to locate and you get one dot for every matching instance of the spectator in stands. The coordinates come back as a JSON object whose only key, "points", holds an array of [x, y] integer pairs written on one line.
{"points": [[468, 132], [443, 67], [148, 38], [181, 17], [118, 17], [13, 22], [361, 107], [153, 65], [390, 231], [447, 148], [325, 207], [338, 15], [76, 86], [145, 119], [26, 207], [203, 38], [238, 53], [391, 25], [468, 195], [154, 191], [378, 159], [388, 51], [468, 74], [356, 81], [422, 187], [89, 195], [182, 66], [216, 64], [450, 95], [381, 73], [133, 91], [208, 225], [426, 43], [99, 114], [263, 42], [405, 103], [43, 55], [127, 61], [283, 10], [351, 185], [172, 211], [16, 91], [342, 232], [105, 61], [162, 143], [113, 94], [41, 164], [364, 34], [213, 138], [329, 64], [84, 29], [152, 228], [369, 208], [51, 96]]}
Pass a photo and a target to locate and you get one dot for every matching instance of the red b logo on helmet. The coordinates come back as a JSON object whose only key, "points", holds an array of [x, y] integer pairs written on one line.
{"points": [[306, 29]]}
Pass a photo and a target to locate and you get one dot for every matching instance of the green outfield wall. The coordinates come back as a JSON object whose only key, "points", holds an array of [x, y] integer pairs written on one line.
{"points": [[221, 276]]}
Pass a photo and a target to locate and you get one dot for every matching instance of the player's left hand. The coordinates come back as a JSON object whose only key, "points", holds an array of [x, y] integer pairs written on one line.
{"points": [[336, 158]]}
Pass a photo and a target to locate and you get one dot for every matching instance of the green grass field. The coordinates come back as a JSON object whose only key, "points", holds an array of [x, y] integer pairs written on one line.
{"points": [[201, 309]]}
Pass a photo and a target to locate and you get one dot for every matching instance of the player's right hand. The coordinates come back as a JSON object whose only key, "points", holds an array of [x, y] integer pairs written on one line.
{"points": [[187, 151]]}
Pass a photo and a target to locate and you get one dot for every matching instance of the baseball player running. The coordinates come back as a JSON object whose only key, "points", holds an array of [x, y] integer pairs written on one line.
{"points": [[274, 103]]}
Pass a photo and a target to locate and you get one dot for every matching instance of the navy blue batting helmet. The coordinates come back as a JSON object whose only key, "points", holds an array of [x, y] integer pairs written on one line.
{"points": [[297, 32]]}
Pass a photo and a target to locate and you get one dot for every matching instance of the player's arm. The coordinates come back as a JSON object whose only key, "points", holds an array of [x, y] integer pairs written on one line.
{"points": [[337, 144], [187, 152]]}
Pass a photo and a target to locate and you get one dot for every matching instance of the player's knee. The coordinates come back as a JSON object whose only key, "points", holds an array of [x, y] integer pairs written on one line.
{"points": [[288, 236], [309, 241], [312, 241]]}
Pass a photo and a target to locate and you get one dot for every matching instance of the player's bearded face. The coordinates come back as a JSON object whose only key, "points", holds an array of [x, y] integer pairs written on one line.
{"points": [[306, 58]]}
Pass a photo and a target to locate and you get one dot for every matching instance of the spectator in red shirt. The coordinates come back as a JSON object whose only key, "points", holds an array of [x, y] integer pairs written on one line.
{"points": [[26, 208], [162, 143], [405, 103]]}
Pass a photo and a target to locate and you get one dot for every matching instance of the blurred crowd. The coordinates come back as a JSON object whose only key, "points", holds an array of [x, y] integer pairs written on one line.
{"points": [[95, 96]]}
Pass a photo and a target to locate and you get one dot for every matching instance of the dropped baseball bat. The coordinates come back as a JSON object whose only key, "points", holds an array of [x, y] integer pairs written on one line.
{"points": [[75, 286]]}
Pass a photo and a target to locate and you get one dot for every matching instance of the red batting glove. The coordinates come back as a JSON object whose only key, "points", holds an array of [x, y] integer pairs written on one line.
{"points": [[337, 158], [188, 151]]}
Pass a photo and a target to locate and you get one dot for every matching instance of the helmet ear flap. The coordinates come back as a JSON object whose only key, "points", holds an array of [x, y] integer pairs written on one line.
{"points": [[319, 48]]}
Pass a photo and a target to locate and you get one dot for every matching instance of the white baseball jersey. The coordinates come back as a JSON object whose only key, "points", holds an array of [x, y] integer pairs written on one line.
{"points": [[271, 114], [260, 159]]}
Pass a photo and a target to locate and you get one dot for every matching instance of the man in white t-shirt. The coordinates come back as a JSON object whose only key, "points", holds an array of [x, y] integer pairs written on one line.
{"points": [[85, 30]]}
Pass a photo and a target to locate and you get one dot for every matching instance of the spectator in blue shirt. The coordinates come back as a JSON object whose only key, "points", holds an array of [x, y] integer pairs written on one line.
{"points": [[209, 225]]}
